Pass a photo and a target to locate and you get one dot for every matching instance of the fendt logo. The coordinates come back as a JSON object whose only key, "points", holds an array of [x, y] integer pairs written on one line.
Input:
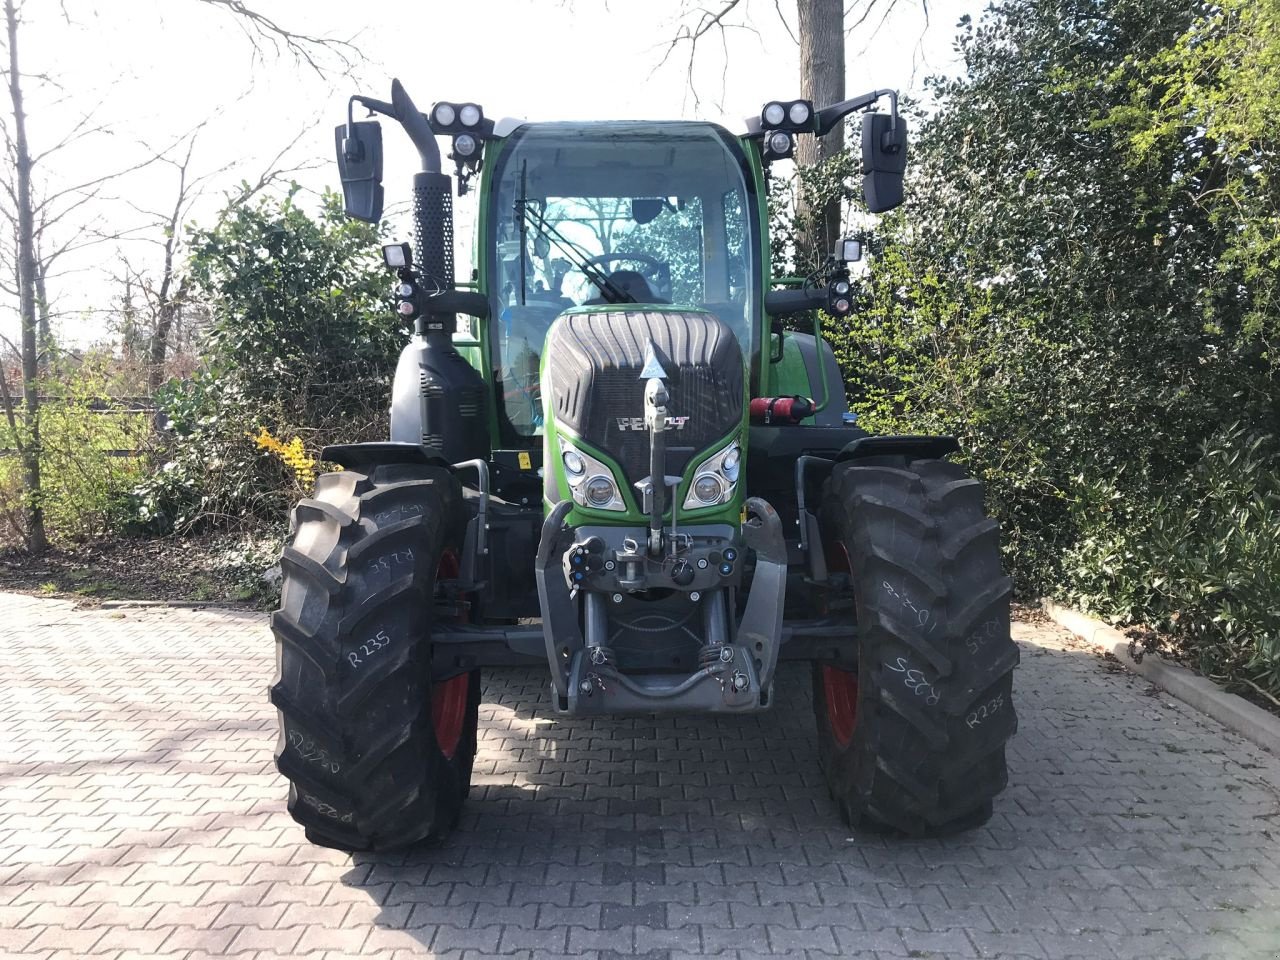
{"points": [[637, 423]]}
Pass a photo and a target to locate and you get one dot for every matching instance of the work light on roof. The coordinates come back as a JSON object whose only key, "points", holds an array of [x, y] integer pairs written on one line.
{"points": [[794, 116], [444, 114], [456, 118]]}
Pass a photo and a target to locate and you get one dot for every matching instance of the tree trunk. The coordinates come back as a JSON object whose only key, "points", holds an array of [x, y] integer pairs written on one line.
{"points": [[36, 540], [168, 303], [165, 317], [821, 81], [44, 326]]}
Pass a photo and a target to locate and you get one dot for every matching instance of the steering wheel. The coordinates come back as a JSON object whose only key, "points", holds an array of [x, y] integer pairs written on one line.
{"points": [[656, 272]]}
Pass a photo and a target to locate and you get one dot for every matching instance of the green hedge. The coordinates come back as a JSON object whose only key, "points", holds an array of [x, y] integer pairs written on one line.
{"points": [[1081, 286]]}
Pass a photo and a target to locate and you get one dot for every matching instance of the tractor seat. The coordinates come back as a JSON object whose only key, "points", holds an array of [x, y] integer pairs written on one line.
{"points": [[635, 285]]}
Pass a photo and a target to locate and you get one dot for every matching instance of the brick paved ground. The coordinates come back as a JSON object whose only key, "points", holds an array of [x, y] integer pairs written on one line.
{"points": [[140, 814]]}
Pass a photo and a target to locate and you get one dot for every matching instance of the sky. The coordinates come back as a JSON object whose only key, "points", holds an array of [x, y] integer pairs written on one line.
{"points": [[149, 72]]}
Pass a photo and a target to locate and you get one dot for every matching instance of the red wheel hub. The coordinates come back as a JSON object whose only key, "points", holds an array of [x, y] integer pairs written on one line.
{"points": [[449, 710], [840, 686], [841, 690], [449, 697]]}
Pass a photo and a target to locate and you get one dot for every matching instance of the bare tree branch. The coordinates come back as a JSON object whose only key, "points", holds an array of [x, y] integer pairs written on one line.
{"points": [[690, 35], [79, 130], [260, 28], [777, 6]]}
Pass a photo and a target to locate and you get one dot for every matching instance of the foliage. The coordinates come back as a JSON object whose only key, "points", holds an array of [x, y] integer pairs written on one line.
{"points": [[302, 344], [1081, 286], [300, 305], [210, 473], [1200, 561], [92, 451], [1211, 99], [292, 454]]}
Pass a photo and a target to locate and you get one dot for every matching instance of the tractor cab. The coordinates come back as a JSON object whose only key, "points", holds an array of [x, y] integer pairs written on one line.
{"points": [[611, 216]]}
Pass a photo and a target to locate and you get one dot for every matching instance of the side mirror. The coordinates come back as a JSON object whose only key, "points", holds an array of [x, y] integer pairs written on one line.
{"points": [[884, 160], [359, 148]]}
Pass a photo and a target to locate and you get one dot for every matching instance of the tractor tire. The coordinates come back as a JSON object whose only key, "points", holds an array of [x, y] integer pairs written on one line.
{"points": [[913, 741], [378, 753]]}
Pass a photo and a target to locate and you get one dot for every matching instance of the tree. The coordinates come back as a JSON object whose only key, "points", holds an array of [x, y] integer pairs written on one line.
{"points": [[821, 82], [300, 311], [822, 29], [165, 296], [302, 344], [33, 218], [29, 445]]}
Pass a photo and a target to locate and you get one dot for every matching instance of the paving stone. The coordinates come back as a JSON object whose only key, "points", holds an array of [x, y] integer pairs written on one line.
{"points": [[141, 816]]}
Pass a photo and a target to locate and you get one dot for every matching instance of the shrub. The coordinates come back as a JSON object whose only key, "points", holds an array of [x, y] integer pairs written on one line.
{"points": [[1199, 563], [93, 450], [303, 346], [208, 471]]}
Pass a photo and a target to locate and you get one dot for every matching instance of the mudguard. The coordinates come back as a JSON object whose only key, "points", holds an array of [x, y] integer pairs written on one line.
{"points": [[361, 456], [920, 446]]}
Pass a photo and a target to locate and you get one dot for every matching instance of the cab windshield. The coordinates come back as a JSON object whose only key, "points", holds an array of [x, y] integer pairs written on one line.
{"points": [[613, 213]]}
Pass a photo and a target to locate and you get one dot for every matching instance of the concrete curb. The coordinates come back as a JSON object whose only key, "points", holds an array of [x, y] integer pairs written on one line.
{"points": [[1235, 713]]}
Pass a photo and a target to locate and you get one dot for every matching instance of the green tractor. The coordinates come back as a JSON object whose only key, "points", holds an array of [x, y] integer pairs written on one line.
{"points": [[609, 456]]}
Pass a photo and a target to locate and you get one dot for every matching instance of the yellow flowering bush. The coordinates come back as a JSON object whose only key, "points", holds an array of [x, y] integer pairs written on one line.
{"points": [[293, 454]]}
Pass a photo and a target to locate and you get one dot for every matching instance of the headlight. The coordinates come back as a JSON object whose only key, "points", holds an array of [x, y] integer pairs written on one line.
{"points": [[600, 491], [715, 479], [799, 113], [729, 463], [708, 488], [591, 482]]}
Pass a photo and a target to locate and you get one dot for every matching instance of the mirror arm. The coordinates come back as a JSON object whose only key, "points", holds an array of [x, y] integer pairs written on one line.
{"points": [[372, 105], [460, 301], [828, 117], [781, 303]]}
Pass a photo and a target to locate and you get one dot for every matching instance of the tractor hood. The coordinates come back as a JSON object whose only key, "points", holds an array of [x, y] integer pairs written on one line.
{"points": [[596, 368]]}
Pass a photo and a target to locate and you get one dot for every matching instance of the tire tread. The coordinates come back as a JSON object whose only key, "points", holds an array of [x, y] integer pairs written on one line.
{"points": [[926, 580]]}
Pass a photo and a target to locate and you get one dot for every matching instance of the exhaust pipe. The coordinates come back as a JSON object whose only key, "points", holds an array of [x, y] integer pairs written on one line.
{"points": [[432, 204]]}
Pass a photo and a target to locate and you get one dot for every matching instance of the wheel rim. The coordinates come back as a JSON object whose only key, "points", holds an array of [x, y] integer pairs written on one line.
{"points": [[841, 689], [448, 710], [449, 697], [840, 686]]}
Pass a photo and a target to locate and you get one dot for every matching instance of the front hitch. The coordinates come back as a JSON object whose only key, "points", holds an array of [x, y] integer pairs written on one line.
{"points": [[735, 667]]}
